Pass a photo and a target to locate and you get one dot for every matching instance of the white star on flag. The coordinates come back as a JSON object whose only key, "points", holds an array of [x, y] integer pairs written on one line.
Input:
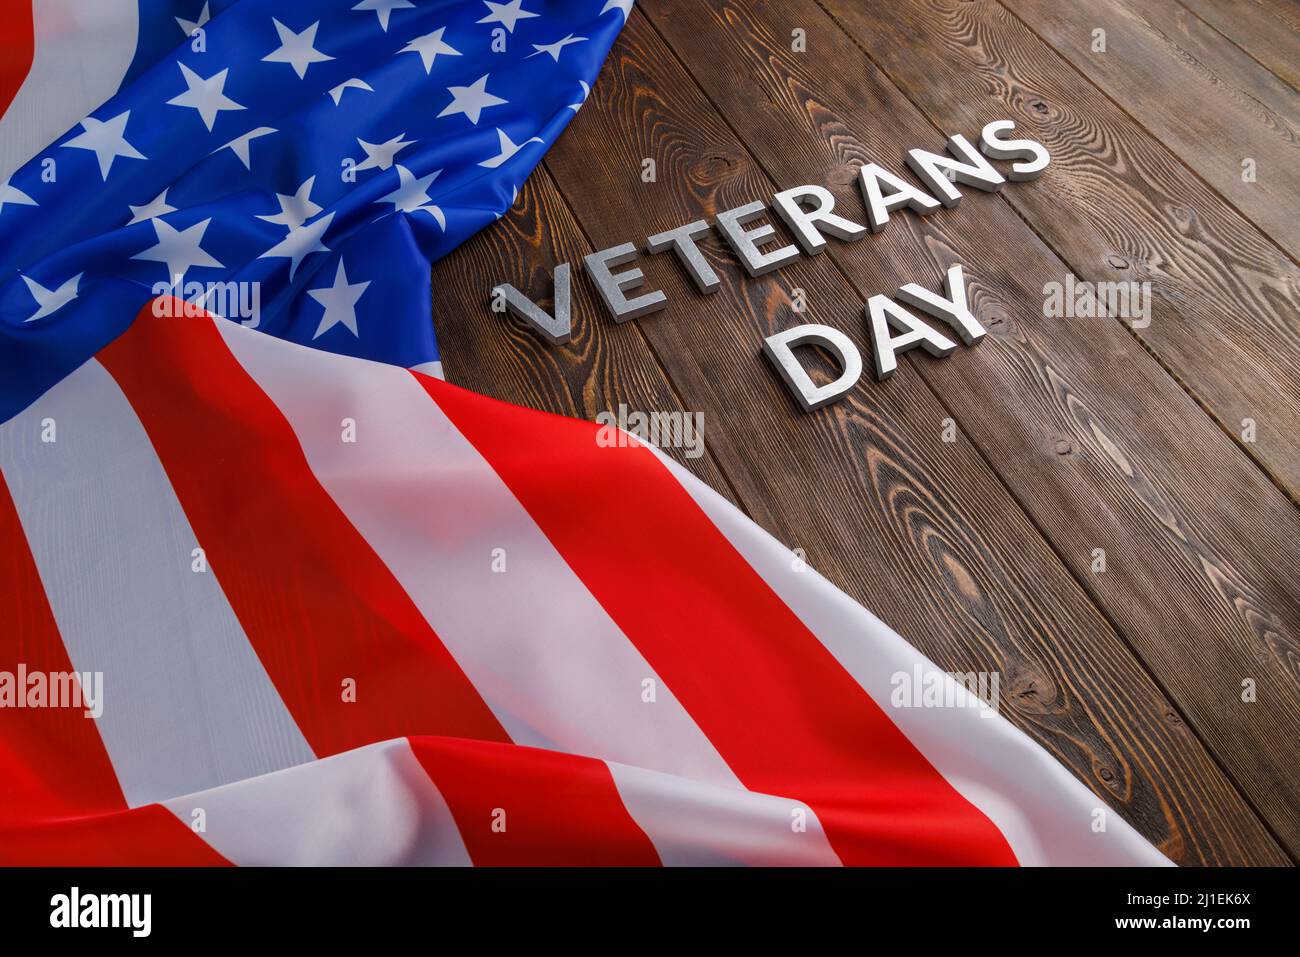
{"points": [[514, 197], [340, 302], [207, 96], [412, 194], [296, 209], [429, 47], [383, 8], [189, 26], [239, 145], [623, 6], [586, 92], [554, 48], [353, 84], [12, 194], [380, 155], [471, 100], [296, 49], [51, 300], [178, 249], [106, 139], [508, 149], [300, 243], [158, 206], [506, 14]]}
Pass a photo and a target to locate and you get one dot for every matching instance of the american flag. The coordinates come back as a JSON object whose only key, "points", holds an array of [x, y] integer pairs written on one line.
{"points": [[345, 612]]}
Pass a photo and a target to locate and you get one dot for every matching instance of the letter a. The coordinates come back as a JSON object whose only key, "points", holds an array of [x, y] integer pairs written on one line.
{"points": [[884, 313]]}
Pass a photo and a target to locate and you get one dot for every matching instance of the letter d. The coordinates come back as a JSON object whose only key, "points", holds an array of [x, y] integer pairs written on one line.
{"points": [[780, 349]]}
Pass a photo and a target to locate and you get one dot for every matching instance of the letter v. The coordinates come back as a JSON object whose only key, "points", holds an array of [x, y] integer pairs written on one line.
{"points": [[555, 329]]}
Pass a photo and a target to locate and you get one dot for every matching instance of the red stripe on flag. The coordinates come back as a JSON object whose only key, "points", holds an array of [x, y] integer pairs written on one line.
{"points": [[779, 708], [52, 760], [147, 836], [60, 803], [17, 48], [316, 602], [517, 806]]}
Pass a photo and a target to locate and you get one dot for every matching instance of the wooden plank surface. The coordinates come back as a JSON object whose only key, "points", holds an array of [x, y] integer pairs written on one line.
{"points": [[1268, 30], [595, 371], [1210, 103], [1118, 206], [945, 541], [1128, 478]]}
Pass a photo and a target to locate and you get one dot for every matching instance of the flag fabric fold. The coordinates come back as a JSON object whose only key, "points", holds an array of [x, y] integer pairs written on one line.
{"points": [[344, 612], [317, 155]]}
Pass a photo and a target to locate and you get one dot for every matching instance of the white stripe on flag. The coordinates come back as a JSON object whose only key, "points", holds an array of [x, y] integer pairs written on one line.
{"points": [[554, 668], [695, 824], [187, 704], [82, 52], [372, 807], [1044, 812], [430, 368]]}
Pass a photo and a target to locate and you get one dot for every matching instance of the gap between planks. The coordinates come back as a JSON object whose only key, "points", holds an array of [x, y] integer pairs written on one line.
{"points": [[1091, 596], [1089, 591]]}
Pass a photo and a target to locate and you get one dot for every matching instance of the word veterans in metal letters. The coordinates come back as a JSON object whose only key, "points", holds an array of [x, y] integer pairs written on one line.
{"points": [[809, 213]]}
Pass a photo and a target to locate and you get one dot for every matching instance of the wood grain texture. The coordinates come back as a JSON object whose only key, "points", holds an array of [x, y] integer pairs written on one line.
{"points": [[1101, 448], [1268, 30], [918, 530], [500, 356], [1207, 101], [1117, 206]]}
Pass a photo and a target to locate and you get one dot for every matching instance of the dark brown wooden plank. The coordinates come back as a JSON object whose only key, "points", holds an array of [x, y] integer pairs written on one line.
{"points": [[1118, 206], [1205, 99], [918, 530], [500, 356], [1269, 30], [1102, 448]]}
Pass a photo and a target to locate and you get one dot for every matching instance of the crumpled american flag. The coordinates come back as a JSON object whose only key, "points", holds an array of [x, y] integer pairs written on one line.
{"points": [[339, 611]]}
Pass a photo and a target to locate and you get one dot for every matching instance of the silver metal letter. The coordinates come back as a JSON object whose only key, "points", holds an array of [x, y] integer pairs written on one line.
{"points": [[809, 224], [902, 194], [970, 168], [744, 243], [1032, 152], [780, 349], [555, 329], [883, 313], [611, 285], [682, 242], [952, 310]]}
